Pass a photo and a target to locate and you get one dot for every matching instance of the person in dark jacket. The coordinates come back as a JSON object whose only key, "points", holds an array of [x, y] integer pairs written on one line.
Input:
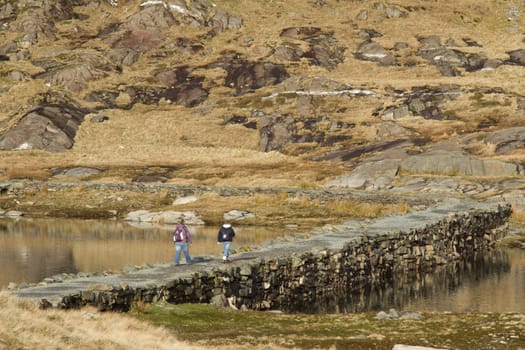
{"points": [[182, 240], [225, 236]]}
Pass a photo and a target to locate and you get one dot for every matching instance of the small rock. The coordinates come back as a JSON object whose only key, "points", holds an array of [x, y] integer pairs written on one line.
{"points": [[219, 300], [410, 347], [411, 316], [236, 215], [99, 118], [184, 200]]}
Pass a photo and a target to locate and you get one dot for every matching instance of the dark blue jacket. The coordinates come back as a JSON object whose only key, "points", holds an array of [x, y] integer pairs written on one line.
{"points": [[226, 234]]}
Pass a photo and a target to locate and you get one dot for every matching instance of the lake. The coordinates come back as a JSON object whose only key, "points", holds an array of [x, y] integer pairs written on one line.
{"points": [[32, 249]]}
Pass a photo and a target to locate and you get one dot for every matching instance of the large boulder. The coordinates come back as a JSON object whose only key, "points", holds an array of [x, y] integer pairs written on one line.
{"points": [[36, 19], [164, 217], [458, 164], [276, 131], [376, 175], [323, 49], [189, 94], [50, 127], [447, 59], [425, 101], [517, 57], [506, 140], [246, 77], [72, 77], [372, 51]]}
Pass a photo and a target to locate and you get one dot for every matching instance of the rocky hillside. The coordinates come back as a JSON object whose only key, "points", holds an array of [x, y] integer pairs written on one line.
{"points": [[298, 93]]}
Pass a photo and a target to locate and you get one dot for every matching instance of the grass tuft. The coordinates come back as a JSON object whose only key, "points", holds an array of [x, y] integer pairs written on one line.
{"points": [[27, 174]]}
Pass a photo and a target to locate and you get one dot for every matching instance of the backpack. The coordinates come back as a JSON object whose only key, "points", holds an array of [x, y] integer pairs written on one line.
{"points": [[178, 234], [227, 234]]}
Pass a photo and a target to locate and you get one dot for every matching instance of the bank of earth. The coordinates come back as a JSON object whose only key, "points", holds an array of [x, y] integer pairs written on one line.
{"points": [[279, 207]]}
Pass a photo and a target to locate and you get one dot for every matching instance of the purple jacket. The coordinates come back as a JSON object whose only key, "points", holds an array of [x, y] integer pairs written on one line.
{"points": [[181, 234]]}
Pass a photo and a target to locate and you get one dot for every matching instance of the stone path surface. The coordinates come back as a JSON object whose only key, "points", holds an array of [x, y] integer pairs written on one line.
{"points": [[332, 237]]}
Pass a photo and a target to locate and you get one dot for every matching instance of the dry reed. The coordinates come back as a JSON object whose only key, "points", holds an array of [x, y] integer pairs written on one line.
{"points": [[24, 326]]}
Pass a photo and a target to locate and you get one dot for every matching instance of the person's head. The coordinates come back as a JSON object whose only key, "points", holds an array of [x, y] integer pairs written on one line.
{"points": [[181, 221]]}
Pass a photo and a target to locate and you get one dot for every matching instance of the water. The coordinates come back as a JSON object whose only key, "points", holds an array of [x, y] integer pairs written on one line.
{"points": [[491, 282], [32, 249], [494, 282]]}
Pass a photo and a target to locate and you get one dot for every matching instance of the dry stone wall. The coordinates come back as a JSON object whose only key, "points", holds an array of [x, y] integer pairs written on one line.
{"points": [[305, 279]]}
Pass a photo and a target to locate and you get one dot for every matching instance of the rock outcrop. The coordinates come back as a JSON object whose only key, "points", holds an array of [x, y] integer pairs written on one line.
{"points": [[49, 127], [348, 88]]}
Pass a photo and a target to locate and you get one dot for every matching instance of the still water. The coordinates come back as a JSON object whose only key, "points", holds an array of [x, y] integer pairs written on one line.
{"points": [[492, 282], [32, 249]]}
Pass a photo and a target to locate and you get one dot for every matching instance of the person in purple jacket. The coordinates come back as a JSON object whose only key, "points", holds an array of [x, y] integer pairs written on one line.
{"points": [[182, 240]]}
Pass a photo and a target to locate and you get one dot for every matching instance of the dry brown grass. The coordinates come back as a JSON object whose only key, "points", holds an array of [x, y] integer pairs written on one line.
{"points": [[367, 210], [273, 210], [517, 217], [281, 209], [213, 153], [27, 173], [24, 326]]}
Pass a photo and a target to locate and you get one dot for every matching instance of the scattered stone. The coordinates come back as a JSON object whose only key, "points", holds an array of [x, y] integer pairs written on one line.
{"points": [[393, 113], [323, 49], [90, 316], [72, 77], [14, 213], [372, 51], [237, 215], [391, 315], [78, 172], [246, 77], [517, 57], [150, 178], [411, 316], [19, 76], [219, 300], [129, 268], [362, 15], [412, 347], [99, 118], [166, 217], [354, 180], [185, 200]]}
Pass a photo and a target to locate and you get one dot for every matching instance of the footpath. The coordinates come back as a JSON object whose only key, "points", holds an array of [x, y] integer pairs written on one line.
{"points": [[330, 238]]}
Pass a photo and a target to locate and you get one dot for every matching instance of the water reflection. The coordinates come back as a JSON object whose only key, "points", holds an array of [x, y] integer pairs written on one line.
{"points": [[32, 249], [492, 282]]}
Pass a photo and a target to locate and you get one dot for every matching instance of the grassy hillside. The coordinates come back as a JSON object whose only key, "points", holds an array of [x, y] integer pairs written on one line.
{"points": [[207, 150], [323, 116]]}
